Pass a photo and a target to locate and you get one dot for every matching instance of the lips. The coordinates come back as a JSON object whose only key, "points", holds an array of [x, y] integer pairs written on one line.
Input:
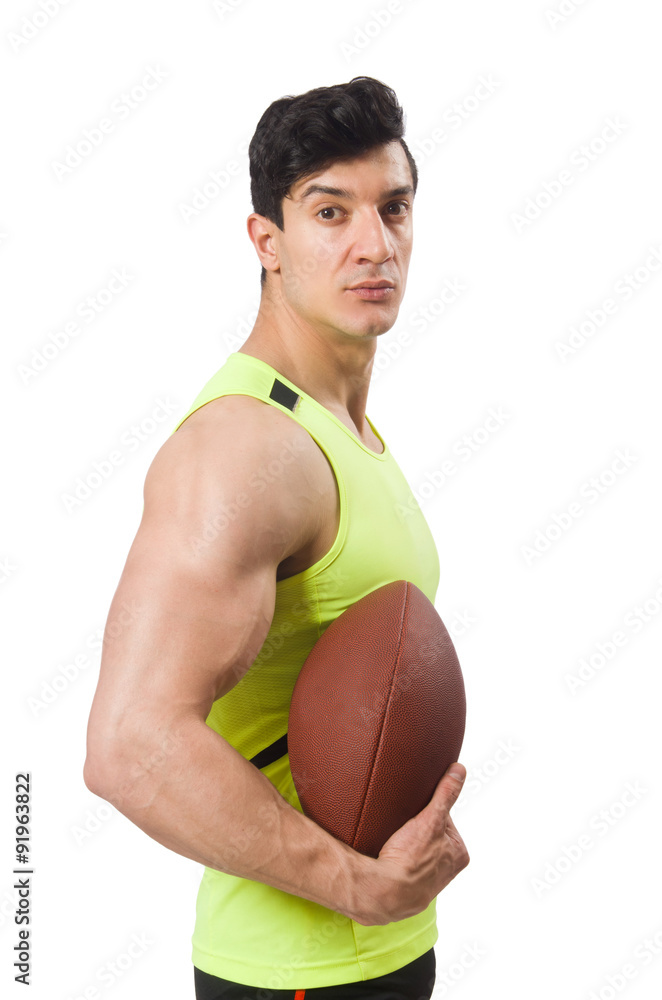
{"points": [[372, 284], [376, 292]]}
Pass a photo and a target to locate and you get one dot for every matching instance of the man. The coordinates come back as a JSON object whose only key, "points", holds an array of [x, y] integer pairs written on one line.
{"points": [[272, 508]]}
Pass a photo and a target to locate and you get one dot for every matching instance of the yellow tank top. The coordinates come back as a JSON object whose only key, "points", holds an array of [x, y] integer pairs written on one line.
{"points": [[246, 931]]}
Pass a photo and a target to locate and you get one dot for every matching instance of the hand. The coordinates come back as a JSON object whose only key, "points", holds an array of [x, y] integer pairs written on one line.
{"points": [[418, 860]]}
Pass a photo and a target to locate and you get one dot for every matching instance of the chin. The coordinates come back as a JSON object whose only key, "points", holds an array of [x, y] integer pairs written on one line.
{"points": [[376, 328], [363, 325]]}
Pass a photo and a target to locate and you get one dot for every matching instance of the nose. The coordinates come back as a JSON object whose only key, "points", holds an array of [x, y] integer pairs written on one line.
{"points": [[372, 241]]}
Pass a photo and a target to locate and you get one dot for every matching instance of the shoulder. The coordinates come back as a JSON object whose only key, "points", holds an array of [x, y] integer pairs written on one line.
{"points": [[247, 438], [244, 471]]}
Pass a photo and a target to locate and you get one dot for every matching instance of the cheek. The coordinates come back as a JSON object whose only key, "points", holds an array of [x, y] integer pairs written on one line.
{"points": [[313, 263], [322, 247], [406, 241]]}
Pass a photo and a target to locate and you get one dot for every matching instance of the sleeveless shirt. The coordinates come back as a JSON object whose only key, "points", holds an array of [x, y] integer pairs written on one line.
{"points": [[246, 931]]}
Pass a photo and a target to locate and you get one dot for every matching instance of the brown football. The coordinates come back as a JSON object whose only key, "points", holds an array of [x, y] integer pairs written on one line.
{"points": [[377, 716]]}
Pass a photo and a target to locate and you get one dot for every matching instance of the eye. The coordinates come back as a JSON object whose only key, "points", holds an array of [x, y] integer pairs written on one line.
{"points": [[399, 204], [328, 209]]}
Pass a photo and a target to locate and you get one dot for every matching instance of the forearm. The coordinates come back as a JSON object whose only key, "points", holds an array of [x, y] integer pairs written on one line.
{"points": [[195, 794]]}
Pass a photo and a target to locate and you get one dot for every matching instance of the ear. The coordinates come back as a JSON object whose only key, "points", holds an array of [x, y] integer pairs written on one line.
{"points": [[262, 232]]}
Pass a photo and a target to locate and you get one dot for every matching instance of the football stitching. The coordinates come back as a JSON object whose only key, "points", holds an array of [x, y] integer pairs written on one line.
{"points": [[371, 771]]}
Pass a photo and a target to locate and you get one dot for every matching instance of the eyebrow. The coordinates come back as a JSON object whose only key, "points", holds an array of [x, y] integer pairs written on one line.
{"points": [[344, 193]]}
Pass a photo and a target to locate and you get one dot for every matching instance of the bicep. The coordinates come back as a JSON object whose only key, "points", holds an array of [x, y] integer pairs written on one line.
{"points": [[196, 597], [182, 632]]}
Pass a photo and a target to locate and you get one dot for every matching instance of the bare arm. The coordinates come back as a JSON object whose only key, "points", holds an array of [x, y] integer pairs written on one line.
{"points": [[186, 622]]}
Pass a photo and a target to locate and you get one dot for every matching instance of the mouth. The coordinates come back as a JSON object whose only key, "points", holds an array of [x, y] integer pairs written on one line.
{"points": [[373, 290]]}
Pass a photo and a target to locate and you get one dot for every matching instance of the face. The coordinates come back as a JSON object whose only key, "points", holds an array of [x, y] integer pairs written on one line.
{"points": [[346, 226]]}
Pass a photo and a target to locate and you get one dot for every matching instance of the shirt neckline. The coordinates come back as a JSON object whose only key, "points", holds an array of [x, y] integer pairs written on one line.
{"points": [[380, 456]]}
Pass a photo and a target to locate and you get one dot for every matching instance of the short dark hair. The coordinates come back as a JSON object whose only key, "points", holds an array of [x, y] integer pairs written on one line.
{"points": [[297, 136]]}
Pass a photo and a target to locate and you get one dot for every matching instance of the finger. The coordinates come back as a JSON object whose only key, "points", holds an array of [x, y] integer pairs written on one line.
{"points": [[449, 787], [432, 819]]}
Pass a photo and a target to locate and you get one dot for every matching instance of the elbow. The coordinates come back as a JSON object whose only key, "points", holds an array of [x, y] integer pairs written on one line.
{"points": [[100, 776], [127, 772], [105, 767], [128, 768], [106, 761]]}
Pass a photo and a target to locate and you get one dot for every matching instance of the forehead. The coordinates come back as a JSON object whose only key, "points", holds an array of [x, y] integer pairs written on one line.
{"points": [[385, 168]]}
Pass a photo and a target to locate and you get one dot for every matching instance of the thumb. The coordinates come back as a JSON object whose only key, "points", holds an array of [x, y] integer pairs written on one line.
{"points": [[432, 819], [449, 787]]}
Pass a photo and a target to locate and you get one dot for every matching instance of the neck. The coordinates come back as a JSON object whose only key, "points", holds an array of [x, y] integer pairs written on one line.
{"points": [[333, 369]]}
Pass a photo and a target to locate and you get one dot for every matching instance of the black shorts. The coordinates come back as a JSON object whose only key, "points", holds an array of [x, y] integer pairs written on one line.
{"points": [[414, 981]]}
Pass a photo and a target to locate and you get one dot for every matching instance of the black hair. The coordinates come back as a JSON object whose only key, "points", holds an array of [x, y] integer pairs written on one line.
{"points": [[299, 135]]}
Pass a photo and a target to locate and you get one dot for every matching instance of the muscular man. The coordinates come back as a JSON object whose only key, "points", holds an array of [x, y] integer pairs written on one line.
{"points": [[273, 506]]}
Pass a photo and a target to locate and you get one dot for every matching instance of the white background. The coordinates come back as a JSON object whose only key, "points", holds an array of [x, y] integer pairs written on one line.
{"points": [[546, 920]]}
